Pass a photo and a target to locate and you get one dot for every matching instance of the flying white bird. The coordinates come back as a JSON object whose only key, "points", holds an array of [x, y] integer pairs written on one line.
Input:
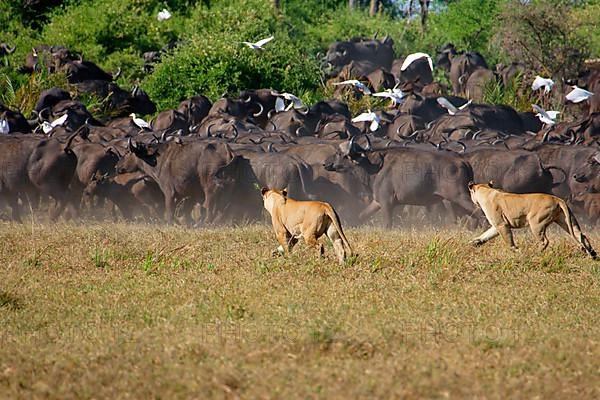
{"points": [[547, 117], [140, 122], [4, 128], [539, 82], [369, 116], [294, 101], [452, 109], [577, 95], [395, 95], [414, 57], [259, 45], [48, 126], [164, 15], [357, 84], [280, 106]]}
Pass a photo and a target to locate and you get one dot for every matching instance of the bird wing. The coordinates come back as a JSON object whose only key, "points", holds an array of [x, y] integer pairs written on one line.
{"points": [[383, 94], [364, 117], [348, 82], [279, 104], [141, 123], [552, 114], [374, 125], [46, 127], [413, 57], [538, 109], [4, 127], [294, 99], [59, 121], [538, 82], [364, 88], [578, 95], [444, 102], [262, 42]]}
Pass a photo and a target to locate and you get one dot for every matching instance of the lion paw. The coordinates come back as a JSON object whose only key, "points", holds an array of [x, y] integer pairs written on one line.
{"points": [[476, 242]]}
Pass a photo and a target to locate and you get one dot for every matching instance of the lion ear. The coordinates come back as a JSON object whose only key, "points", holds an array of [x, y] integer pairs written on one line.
{"points": [[491, 184], [470, 185], [264, 190], [284, 192]]}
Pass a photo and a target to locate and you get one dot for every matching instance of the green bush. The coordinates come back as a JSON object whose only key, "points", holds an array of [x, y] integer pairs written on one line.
{"points": [[214, 61]]}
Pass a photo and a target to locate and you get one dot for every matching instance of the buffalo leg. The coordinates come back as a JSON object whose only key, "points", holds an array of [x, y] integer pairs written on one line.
{"points": [[370, 210], [169, 205]]}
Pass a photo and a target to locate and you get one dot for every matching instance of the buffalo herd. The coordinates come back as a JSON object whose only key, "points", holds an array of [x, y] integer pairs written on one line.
{"points": [[205, 162]]}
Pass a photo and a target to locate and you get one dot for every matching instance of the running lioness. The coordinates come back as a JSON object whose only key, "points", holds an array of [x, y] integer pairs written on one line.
{"points": [[308, 219], [505, 210]]}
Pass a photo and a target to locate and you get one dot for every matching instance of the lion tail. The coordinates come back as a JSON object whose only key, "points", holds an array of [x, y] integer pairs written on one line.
{"points": [[572, 225], [568, 216], [335, 219]]}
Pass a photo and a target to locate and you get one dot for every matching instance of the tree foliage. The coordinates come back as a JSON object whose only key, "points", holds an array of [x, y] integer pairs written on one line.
{"points": [[546, 35], [549, 35]]}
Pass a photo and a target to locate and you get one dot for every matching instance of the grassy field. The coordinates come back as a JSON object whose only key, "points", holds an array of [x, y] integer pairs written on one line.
{"points": [[143, 311]]}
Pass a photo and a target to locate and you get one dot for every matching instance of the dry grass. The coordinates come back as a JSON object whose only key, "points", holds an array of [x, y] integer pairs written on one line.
{"points": [[142, 311]]}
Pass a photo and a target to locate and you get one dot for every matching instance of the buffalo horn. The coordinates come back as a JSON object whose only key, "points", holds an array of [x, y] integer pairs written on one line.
{"points": [[258, 114], [117, 75], [131, 145], [208, 132]]}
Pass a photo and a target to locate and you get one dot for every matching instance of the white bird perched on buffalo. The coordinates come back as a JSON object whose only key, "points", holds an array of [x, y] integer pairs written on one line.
{"points": [[451, 108], [371, 117], [4, 127], [414, 57], [547, 117], [48, 126], [540, 82], [259, 45], [140, 123], [357, 84], [164, 15], [395, 95], [577, 95]]}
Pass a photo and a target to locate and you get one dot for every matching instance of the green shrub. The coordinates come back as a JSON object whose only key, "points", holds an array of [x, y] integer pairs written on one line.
{"points": [[214, 61]]}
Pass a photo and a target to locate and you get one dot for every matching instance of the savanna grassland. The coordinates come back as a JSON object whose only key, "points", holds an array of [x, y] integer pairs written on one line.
{"points": [[149, 311]]}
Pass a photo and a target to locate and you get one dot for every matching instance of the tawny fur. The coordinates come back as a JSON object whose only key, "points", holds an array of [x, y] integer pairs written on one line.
{"points": [[505, 211], [293, 219]]}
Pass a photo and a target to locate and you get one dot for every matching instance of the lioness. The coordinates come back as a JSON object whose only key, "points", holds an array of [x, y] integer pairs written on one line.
{"points": [[308, 219], [505, 210]]}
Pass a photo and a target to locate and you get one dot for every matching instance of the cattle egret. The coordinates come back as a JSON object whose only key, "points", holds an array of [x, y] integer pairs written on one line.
{"points": [[4, 128], [547, 117], [539, 82], [259, 45], [577, 95], [414, 57], [395, 95], [294, 101], [357, 84], [279, 104], [164, 15], [369, 116], [452, 109], [140, 122], [48, 126]]}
